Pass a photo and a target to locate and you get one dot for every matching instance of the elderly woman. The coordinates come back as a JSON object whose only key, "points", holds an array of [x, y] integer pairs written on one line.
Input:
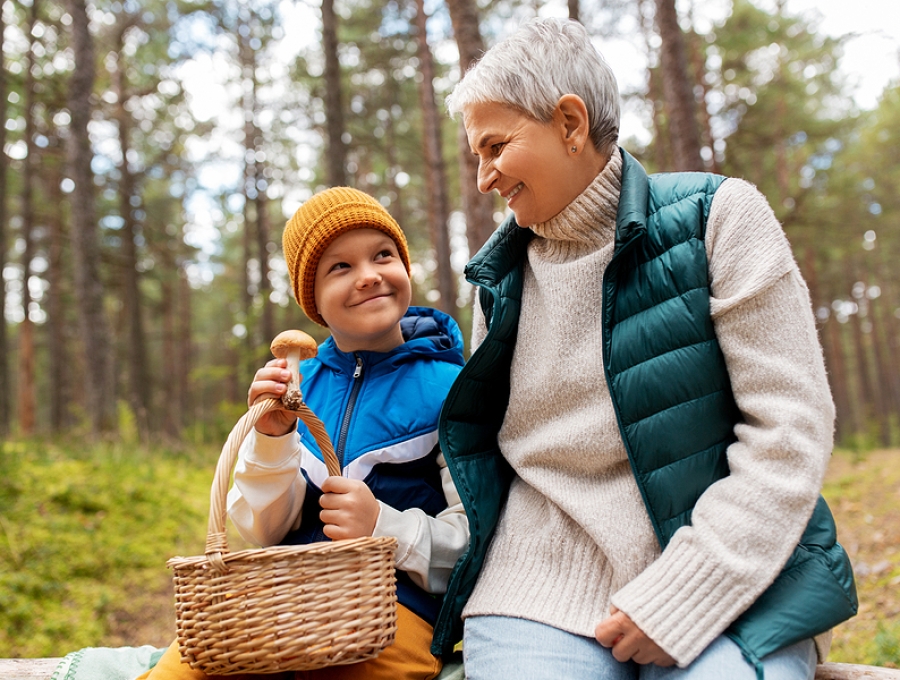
{"points": [[641, 434]]}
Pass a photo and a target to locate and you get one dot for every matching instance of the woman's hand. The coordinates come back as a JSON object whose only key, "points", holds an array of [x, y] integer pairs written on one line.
{"points": [[628, 642], [270, 382], [349, 510]]}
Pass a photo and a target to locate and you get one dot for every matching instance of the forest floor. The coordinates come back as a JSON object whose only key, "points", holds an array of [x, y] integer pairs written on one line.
{"points": [[84, 539], [863, 491], [864, 494]]}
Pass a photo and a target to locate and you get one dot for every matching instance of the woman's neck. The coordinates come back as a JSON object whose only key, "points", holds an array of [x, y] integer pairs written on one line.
{"points": [[590, 219]]}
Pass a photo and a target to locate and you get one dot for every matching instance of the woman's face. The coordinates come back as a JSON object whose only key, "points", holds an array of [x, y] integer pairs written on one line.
{"points": [[529, 163]]}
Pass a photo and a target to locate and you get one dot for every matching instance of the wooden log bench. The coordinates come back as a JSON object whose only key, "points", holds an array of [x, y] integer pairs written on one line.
{"points": [[42, 669]]}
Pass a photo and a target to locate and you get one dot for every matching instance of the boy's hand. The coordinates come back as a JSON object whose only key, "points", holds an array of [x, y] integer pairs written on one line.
{"points": [[349, 510], [270, 382], [627, 641]]}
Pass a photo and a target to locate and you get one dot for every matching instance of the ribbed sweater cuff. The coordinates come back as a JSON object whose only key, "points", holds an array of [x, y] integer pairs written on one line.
{"points": [[684, 600]]}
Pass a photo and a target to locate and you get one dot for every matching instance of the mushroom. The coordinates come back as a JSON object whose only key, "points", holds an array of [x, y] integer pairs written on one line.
{"points": [[295, 346]]}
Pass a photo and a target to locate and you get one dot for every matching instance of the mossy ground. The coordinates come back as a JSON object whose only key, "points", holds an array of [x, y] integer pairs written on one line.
{"points": [[85, 534], [863, 491]]}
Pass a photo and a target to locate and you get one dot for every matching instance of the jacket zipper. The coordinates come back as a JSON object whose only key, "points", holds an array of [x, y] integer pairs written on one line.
{"points": [[345, 426], [348, 413]]}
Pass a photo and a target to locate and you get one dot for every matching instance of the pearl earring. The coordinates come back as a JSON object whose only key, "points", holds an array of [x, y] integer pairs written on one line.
{"points": [[574, 149]]}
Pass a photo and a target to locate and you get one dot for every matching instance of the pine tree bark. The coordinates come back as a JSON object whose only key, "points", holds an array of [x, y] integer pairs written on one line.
{"points": [[26, 382], [5, 395], [435, 174], [867, 398], [336, 156], [184, 354], [574, 10], [661, 151], [882, 375], [262, 246], [678, 90], [176, 314], [478, 207], [99, 391], [57, 344], [890, 334], [847, 408], [256, 238], [698, 66], [138, 373]]}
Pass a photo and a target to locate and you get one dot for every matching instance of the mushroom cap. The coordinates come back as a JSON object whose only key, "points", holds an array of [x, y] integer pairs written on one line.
{"points": [[291, 341]]}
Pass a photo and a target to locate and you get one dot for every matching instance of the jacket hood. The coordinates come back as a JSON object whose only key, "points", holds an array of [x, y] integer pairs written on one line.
{"points": [[428, 333]]}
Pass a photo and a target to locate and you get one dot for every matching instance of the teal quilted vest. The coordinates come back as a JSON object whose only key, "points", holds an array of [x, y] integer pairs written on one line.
{"points": [[657, 332]]}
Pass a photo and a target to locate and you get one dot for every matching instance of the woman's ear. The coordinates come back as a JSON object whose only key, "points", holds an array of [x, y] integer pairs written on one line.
{"points": [[572, 114]]}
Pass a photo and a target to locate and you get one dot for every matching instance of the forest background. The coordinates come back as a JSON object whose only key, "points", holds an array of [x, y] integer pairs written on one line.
{"points": [[140, 236]]}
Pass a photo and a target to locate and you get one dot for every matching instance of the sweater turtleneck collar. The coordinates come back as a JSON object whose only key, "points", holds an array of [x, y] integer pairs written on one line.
{"points": [[589, 220]]}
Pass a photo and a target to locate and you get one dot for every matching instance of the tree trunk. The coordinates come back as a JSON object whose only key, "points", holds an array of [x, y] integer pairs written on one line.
{"points": [[435, 174], [698, 65], [262, 246], [27, 394], [245, 366], [890, 333], [183, 355], [247, 60], [99, 392], [848, 408], [56, 321], [336, 153], [883, 376], [391, 146], [478, 207], [867, 399], [5, 395], [26, 391], [256, 225], [661, 151], [574, 11], [138, 373], [175, 312], [678, 89]]}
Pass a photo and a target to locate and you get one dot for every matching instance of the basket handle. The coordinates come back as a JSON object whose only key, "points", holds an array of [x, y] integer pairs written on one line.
{"points": [[216, 540]]}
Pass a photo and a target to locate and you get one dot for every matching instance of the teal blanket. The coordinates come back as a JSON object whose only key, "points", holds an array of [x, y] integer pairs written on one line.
{"points": [[107, 663], [126, 663]]}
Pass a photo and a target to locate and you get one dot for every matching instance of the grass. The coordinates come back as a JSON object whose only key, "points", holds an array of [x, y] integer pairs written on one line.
{"points": [[85, 533], [84, 537], [863, 491]]}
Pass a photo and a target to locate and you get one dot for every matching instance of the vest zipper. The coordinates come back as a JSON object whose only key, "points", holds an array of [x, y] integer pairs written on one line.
{"points": [[348, 413]]}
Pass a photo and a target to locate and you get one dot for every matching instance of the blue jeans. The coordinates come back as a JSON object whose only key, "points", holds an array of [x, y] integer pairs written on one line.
{"points": [[504, 648]]}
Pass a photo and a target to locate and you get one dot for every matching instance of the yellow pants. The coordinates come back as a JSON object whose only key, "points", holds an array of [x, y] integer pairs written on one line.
{"points": [[408, 658]]}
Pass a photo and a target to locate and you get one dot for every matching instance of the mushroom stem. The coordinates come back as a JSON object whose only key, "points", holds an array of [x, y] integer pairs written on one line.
{"points": [[294, 346], [292, 397]]}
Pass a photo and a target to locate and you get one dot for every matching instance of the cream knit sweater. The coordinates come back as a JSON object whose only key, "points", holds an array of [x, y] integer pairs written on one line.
{"points": [[574, 537]]}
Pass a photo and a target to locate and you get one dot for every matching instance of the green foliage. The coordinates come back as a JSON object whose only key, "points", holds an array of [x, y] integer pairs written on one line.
{"points": [[86, 530], [887, 645]]}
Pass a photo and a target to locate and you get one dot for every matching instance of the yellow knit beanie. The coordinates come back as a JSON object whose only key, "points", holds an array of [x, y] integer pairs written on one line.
{"points": [[317, 223]]}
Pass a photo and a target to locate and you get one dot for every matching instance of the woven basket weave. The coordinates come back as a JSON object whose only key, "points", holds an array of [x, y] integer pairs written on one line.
{"points": [[285, 608]]}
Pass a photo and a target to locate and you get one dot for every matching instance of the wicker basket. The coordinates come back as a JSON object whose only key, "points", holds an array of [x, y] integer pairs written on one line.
{"points": [[285, 608]]}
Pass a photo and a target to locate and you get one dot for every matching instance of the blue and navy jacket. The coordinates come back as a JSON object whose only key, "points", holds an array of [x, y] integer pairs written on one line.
{"points": [[381, 411]]}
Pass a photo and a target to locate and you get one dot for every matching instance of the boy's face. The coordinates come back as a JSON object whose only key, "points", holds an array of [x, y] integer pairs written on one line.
{"points": [[363, 290]]}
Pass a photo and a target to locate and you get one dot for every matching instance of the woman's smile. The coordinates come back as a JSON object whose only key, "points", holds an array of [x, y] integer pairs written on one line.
{"points": [[531, 157]]}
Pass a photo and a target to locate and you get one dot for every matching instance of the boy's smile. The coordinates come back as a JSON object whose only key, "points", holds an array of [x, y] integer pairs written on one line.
{"points": [[363, 290]]}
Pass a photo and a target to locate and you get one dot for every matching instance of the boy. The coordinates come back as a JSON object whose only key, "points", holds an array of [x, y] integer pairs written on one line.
{"points": [[378, 384]]}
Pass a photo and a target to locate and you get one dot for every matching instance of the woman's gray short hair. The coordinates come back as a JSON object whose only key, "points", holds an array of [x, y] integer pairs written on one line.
{"points": [[542, 61]]}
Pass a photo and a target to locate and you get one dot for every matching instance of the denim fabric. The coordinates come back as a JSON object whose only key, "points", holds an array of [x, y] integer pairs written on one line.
{"points": [[504, 648]]}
